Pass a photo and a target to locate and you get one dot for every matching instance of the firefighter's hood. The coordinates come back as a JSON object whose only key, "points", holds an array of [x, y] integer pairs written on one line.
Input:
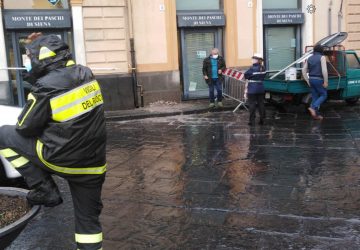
{"points": [[47, 53]]}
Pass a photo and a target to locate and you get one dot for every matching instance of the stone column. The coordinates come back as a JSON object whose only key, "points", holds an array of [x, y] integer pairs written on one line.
{"points": [[4, 74], [78, 31], [308, 26], [259, 27]]}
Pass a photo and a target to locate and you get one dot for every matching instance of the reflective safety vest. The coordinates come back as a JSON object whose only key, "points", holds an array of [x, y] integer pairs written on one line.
{"points": [[76, 102]]}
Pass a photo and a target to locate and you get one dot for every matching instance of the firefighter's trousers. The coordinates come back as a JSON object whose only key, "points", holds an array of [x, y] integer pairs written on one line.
{"points": [[86, 193]]}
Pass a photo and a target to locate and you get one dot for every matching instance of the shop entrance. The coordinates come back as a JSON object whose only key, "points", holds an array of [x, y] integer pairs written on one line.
{"points": [[16, 41], [196, 46]]}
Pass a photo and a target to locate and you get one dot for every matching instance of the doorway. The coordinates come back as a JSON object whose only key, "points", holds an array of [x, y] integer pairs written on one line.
{"points": [[282, 46], [196, 46], [16, 42]]}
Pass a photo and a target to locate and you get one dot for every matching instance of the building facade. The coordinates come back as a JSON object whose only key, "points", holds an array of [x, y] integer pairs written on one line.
{"points": [[352, 24], [153, 50]]}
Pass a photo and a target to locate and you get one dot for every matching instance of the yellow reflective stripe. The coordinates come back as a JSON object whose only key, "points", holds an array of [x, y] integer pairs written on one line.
{"points": [[76, 102], [30, 97], [70, 96], [89, 238], [8, 152], [79, 108], [19, 162], [70, 63], [66, 170], [45, 53]]}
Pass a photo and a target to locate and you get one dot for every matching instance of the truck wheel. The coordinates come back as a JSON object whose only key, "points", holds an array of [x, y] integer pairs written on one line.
{"points": [[352, 101]]}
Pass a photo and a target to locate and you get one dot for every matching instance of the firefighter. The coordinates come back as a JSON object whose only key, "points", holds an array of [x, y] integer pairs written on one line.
{"points": [[255, 89], [61, 131]]}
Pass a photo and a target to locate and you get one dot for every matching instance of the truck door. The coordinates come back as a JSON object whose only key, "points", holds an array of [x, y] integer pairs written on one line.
{"points": [[353, 75]]}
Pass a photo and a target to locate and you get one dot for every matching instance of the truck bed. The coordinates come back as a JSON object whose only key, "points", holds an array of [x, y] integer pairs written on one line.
{"points": [[299, 86]]}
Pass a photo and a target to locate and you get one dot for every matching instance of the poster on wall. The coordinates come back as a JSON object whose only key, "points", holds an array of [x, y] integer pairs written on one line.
{"points": [[201, 54]]}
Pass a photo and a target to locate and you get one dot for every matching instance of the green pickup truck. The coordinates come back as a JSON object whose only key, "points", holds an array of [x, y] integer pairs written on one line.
{"points": [[344, 76]]}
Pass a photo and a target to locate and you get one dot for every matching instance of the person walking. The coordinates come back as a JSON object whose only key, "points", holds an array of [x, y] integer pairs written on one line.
{"points": [[317, 80], [255, 89], [61, 131], [213, 67]]}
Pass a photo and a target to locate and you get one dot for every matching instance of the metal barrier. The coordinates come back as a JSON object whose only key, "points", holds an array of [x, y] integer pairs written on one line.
{"points": [[235, 89]]}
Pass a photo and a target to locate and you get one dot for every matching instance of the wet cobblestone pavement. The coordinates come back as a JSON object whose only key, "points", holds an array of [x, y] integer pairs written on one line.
{"points": [[210, 182]]}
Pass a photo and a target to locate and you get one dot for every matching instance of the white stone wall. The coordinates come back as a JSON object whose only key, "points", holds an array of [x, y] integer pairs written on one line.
{"points": [[105, 33], [353, 24]]}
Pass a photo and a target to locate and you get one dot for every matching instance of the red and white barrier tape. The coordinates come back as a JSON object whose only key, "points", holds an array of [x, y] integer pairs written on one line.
{"points": [[233, 73]]}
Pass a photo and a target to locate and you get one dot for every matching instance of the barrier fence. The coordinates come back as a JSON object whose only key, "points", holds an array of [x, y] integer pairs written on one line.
{"points": [[235, 87]]}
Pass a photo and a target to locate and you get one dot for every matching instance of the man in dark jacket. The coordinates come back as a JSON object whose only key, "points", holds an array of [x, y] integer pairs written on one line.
{"points": [[255, 88], [213, 66], [61, 131], [318, 77]]}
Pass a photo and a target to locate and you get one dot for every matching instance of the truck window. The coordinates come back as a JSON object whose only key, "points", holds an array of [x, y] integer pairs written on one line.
{"points": [[353, 61]]}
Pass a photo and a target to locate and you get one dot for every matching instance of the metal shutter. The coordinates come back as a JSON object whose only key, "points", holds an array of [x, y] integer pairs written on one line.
{"points": [[281, 46], [197, 45]]}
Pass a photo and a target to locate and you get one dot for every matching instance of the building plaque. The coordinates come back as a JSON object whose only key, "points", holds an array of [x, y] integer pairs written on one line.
{"points": [[200, 20], [37, 19], [284, 18]]}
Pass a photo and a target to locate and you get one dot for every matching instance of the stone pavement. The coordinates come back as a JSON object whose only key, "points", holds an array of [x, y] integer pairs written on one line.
{"points": [[163, 109], [208, 181]]}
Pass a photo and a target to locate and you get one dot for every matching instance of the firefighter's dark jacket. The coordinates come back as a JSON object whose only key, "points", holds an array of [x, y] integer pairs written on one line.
{"points": [[207, 69], [70, 132]]}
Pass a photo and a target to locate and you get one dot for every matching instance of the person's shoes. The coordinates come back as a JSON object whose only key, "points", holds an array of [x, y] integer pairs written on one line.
{"points": [[312, 112], [46, 194], [319, 117], [220, 105], [212, 105]]}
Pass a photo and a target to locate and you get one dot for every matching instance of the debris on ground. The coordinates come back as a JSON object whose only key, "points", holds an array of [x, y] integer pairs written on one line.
{"points": [[12, 209]]}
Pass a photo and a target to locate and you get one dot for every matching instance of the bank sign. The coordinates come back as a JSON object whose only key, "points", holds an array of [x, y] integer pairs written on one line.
{"points": [[284, 18], [197, 20], [37, 20]]}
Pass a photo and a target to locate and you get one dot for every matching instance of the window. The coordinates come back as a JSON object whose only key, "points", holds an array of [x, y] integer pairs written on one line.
{"points": [[281, 4], [35, 4], [198, 4], [353, 61]]}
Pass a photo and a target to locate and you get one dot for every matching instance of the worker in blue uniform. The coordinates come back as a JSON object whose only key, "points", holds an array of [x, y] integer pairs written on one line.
{"points": [[255, 89]]}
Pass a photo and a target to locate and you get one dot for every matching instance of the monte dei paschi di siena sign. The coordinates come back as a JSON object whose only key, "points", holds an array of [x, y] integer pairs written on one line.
{"points": [[37, 21], [201, 20], [284, 18], [16, 20]]}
